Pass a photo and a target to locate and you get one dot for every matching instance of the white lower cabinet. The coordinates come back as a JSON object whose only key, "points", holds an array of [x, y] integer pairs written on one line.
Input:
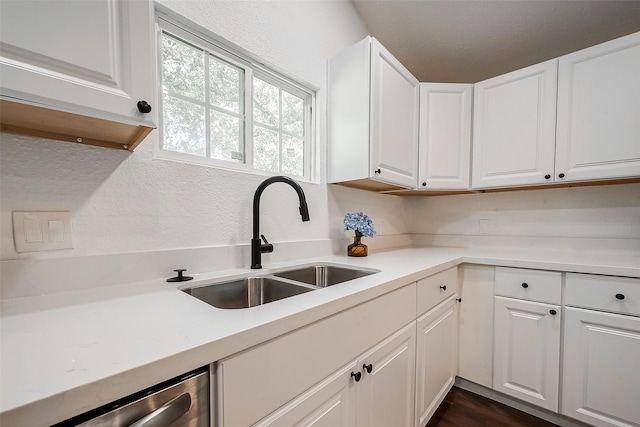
{"points": [[475, 324], [375, 390], [386, 389], [437, 342], [527, 324], [601, 360], [374, 365], [601, 384], [527, 351], [331, 403], [308, 376], [436, 358]]}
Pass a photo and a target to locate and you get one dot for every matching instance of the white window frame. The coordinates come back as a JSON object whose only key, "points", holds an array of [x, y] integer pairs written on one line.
{"points": [[193, 34]]}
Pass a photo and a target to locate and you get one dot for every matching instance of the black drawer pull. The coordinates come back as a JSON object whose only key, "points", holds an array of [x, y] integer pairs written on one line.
{"points": [[368, 368], [525, 285], [620, 296], [356, 376], [443, 287], [553, 312]]}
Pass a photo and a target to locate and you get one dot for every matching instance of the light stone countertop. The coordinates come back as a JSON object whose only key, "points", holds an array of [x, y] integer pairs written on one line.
{"points": [[63, 354]]}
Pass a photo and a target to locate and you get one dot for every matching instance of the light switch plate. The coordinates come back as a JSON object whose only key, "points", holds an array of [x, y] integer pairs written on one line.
{"points": [[42, 231]]}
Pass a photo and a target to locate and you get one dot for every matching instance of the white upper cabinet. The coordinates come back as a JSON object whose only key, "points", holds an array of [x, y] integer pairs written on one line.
{"points": [[514, 127], [599, 111], [517, 141], [445, 136], [89, 58], [373, 119]]}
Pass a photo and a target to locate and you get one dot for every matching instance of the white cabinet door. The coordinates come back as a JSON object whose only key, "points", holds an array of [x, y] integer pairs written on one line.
{"points": [[93, 58], [386, 390], [527, 351], [601, 368], [436, 360], [445, 136], [394, 119], [475, 324], [514, 127], [599, 110], [331, 403], [373, 118]]}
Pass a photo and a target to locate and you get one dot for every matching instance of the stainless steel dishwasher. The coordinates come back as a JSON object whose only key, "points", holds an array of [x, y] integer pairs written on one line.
{"points": [[183, 401]]}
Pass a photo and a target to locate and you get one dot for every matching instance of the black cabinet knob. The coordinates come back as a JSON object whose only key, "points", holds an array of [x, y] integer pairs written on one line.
{"points": [[553, 312], [560, 175], [368, 368], [459, 299], [356, 376], [443, 287], [144, 107], [180, 277], [547, 176], [377, 171], [525, 285], [424, 184], [620, 296]]}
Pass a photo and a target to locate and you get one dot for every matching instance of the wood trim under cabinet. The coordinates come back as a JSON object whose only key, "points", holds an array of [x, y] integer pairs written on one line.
{"points": [[423, 193], [372, 185], [40, 122]]}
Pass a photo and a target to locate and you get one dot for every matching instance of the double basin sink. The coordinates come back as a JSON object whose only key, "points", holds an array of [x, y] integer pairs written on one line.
{"points": [[249, 292]]}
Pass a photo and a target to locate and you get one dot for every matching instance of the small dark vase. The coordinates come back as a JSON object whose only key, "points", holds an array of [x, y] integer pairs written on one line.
{"points": [[357, 248]]}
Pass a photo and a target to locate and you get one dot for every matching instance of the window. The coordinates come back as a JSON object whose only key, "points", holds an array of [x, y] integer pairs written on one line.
{"points": [[222, 109]]}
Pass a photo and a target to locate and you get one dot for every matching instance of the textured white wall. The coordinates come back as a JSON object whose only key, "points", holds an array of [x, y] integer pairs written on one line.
{"points": [[601, 212], [123, 202]]}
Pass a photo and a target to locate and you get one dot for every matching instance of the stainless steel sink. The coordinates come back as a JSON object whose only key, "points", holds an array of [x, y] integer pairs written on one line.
{"points": [[246, 292], [249, 292], [323, 275]]}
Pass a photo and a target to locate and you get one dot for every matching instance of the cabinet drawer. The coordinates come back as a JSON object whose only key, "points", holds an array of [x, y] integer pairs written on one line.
{"points": [[606, 293], [434, 289], [531, 285]]}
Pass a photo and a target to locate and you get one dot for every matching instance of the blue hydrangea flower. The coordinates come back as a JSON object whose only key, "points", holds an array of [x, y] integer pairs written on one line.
{"points": [[359, 222]]}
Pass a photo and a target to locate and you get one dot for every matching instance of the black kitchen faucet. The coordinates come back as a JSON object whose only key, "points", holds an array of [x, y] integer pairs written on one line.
{"points": [[257, 247]]}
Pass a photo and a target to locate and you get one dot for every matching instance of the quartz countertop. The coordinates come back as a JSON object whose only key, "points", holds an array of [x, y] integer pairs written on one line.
{"points": [[66, 353]]}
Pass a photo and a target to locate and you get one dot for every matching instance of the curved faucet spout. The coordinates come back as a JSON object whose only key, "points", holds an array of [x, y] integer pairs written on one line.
{"points": [[257, 247]]}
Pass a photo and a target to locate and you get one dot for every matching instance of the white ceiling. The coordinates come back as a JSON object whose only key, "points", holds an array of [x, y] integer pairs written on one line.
{"points": [[469, 41]]}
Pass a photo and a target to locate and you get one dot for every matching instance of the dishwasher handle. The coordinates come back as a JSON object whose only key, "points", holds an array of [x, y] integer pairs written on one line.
{"points": [[167, 414]]}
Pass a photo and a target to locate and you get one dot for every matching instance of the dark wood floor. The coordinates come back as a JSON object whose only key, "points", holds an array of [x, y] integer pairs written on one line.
{"points": [[462, 408]]}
